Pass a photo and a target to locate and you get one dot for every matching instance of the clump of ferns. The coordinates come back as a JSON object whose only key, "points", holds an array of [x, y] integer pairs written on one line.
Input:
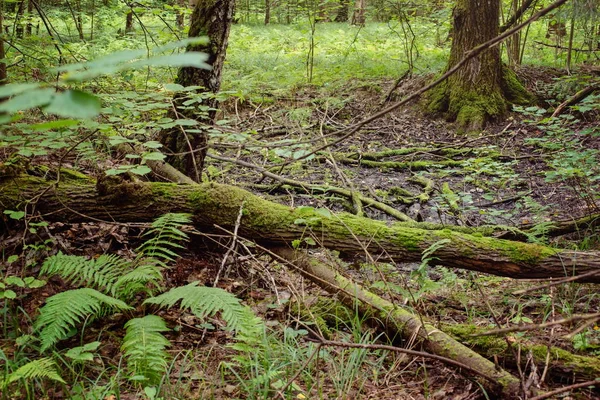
{"points": [[111, 284]]}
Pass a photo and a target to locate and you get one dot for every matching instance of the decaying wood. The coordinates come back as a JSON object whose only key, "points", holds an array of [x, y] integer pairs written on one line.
{"points": [[78, 197], [576, 98], [564, 365], [401, 323]]}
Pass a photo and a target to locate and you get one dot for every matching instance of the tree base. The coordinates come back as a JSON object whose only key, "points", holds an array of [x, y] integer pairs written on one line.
{"points": [[473, 109]]}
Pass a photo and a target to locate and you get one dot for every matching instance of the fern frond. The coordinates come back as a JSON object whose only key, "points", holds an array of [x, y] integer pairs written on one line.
{"points": [[143, 278], [144, 347], [42, 368], [165, 236], [100, 273], [203, 301], [65, 310]]}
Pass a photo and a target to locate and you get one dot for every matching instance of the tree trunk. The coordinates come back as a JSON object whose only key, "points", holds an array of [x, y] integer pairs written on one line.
{"points": [[267, 12], [29, 28], [19, 19], [210, 18], [358, 17], [342, 12], [480, 90], [129, 22], [3, 73], [398, 322], [78, 198], [180, 18]]}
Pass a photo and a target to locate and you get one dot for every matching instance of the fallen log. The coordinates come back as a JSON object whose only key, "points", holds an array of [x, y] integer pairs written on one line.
{"points": [[80, 198], [400, 322], [563, 365]]}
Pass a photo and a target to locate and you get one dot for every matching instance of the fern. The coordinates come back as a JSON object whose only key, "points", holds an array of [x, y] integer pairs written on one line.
{"points": [[42, 368], [144, 347], [65, 310], [204, 301], [101, 273], [144, 277], [166, 237]]}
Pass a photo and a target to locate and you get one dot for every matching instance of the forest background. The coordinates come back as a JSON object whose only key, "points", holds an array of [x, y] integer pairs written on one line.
{"points": [[383, 199]]}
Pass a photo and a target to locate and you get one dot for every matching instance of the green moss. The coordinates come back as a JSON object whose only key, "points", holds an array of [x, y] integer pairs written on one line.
{"points": [[472, 110], [513, 90], [436, 101], [496, 345], [75, 176], [164, 191]]}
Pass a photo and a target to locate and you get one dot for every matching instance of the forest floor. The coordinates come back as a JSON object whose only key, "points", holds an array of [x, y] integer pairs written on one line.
{"points": [[515, 172]]}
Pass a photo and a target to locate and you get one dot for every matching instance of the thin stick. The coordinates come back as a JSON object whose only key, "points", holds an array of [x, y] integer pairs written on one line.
{"points": [[233, 242], [566, 389], [533, 327]]}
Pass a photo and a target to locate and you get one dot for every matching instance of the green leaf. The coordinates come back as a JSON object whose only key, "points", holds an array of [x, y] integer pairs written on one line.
{"points": [[27, 100], [173, 87], [186, 122], [14, 214], [140, 170], [156, 156], [153, 144], [15, 88], [117, 140], [188, 59], [15, 281], [113, 171], [310, 241], [12, 259], [75, 104], [8, 294], [61, 123]]}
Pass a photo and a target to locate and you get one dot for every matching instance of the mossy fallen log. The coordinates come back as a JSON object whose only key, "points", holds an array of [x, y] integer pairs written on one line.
{"points": [[79, 198], [399, 322], [563, 365]]}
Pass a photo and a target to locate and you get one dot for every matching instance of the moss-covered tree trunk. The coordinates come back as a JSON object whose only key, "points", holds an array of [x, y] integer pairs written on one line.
{"points": [[78, 198], [210, 18], [480, 90]]}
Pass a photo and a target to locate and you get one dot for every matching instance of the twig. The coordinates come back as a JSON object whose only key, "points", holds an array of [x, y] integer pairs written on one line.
{"points": [[233, 242], [312, 188], [533, 327], [415, 353], [555, 283], [547, 395]]}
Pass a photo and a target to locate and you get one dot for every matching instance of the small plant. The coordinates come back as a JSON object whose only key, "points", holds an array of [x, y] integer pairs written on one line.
{"points": [[113, 284]]}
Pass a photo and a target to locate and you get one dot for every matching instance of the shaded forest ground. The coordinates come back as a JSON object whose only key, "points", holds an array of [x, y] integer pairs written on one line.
{"points": [[515, 172]]}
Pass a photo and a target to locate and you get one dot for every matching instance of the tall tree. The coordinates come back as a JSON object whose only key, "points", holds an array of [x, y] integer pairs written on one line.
{"points": [[210, 18], [482, 88], [3, 74], [358, 17], [342, 11]]}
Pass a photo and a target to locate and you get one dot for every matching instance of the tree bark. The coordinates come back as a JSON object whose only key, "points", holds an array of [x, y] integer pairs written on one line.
{"points": [[267, 12], [129, 22], [358, 17], [3, 72], [78, 198], [210, 18], [342, 12], [479, 91]]}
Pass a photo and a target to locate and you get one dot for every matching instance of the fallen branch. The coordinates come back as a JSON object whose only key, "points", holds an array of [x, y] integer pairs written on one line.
{"points": [[80, 198], [576, 98], [399, 322]]}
